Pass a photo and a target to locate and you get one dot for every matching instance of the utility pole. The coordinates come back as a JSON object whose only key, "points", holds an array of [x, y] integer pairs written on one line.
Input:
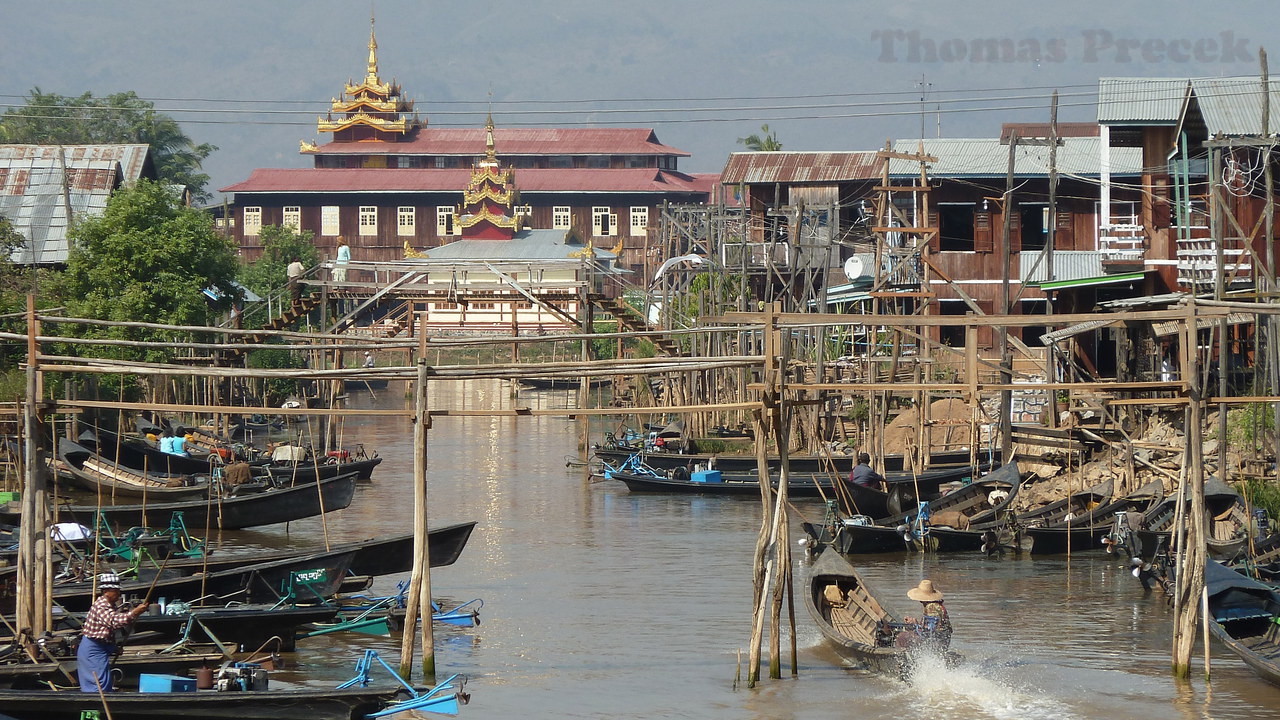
{"points": [[1006, 357], [1049, 247]]}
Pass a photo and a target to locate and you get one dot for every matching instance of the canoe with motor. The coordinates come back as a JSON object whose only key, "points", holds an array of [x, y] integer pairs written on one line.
{"points": [[854, 622]]}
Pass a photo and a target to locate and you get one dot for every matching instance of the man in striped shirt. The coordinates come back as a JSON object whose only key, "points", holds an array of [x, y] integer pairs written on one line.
{"points": [[98, 641]]}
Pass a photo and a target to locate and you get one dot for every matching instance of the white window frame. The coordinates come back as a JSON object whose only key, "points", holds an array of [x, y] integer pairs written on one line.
{"points": [[292, 217], [441, 162], [406, 220], [561, 217], [368, 220], [330, 220], [600, 215], [639, 217], [523, 210], [446, 222], [252, 220]]}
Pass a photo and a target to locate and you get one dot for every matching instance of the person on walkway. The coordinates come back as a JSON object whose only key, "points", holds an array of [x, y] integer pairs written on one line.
{"points": [[368, 359], [863, 474], [294, 272], [340, 263], [98, 637], [933, 625]]}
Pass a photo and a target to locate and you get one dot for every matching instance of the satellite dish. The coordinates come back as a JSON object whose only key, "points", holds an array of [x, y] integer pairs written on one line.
{"points": [[853, 268]]}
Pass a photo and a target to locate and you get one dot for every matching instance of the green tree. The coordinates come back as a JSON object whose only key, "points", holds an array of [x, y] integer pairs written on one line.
{"points": [[53, 119], [280, 245], [147, 258], [764, 141]]}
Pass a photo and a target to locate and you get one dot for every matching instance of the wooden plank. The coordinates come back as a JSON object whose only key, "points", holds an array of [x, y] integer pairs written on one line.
{"points": [[914, 230]]}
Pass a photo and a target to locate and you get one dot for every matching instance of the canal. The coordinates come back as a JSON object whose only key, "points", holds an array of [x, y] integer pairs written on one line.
{"points": [[600, 603]]}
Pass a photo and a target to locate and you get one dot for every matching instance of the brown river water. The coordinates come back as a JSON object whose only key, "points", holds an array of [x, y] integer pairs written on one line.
{"points": [[603, 604]]}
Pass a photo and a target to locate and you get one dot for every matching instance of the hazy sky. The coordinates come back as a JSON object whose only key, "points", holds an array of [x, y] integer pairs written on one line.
{"points": [[822, 74]]}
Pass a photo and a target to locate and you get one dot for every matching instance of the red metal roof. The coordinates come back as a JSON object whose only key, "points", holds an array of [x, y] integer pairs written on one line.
{"points": [[514, 141], [800, 167], [309, 180]]}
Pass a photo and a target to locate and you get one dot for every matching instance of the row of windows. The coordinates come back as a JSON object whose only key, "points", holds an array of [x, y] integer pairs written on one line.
{"points": [[603, 222], [519, 162]]}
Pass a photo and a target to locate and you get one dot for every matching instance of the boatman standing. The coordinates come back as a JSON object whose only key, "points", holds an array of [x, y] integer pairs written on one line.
{"points": [[98, 638], [863, 474]]}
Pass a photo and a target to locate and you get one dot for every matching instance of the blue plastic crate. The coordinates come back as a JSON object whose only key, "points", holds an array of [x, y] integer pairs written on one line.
{"points": [[706, 476], [150, 683]]}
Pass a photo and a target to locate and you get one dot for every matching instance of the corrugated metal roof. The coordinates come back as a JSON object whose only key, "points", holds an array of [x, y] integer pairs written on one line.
{"points": [[987, 157], [630, 180], [528, 245], [1233, 106], [800, 167], [1140, 101], [31, 190], [514, 141]]}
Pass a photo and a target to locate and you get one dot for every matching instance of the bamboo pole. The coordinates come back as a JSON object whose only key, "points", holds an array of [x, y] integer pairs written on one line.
{"points": [[33, 595], [419, 597]]}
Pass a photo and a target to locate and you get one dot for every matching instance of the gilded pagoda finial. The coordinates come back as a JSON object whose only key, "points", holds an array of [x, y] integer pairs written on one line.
{"points": [[490, 153], [372, 76]]}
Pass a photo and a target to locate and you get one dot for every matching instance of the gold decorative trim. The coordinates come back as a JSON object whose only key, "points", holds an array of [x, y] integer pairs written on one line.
{"points": [[410, 253]]}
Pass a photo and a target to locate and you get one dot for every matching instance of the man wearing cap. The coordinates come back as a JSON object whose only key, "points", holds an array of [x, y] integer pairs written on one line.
{"points": [[933, 624], [97, 639]]}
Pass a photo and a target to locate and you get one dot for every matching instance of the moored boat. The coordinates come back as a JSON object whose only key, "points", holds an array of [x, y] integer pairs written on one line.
{"points": [[94, 473], [269, 507], [1245, 617]]}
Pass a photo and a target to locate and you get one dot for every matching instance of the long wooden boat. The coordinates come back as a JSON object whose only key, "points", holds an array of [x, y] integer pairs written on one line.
{"points": [[1076, 504], [854, 622], [802, 463], [382, 555], [1086, 532], [294, 704], [131, 662], [140, 454], [307, 472], [1228, 519], [874, 503], [259, 582], [957, 521], [231, 513], [249, 626], [1246, 618], [94, 473]]}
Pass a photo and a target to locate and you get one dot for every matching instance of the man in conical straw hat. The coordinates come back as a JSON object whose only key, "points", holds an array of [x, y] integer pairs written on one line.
{"points": [[933, 623]]}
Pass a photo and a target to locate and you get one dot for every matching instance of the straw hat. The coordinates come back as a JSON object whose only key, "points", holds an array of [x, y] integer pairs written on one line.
{"points": [[924, 592], [109, 581]]}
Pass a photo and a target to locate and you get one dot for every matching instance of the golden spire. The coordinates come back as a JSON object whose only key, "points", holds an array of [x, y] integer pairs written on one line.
{"points": [[372, 76], [490, 153]]}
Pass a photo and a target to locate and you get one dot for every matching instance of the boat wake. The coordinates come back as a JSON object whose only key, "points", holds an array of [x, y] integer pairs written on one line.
{"points": [[970, 690]]}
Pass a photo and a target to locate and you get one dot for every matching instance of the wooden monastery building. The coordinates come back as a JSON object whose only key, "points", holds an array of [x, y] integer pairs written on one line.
{"points": [[387, 182]]}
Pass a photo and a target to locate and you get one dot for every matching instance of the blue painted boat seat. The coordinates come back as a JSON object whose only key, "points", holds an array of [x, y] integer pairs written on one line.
{"points": [[1241, 613]]}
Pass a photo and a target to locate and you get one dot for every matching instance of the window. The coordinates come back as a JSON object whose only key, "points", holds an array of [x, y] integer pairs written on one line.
{"points": [[561, 161], [560, 217], [368, 220], [404, 161], [523, 211], [603, 222], [444, 221], [292, 217], [441, 162], [639, 220], [445, 306], [329, 220], [637, 161], [597, 161], [482, 306], [405, 221], [957, 227], [252, 221]]}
